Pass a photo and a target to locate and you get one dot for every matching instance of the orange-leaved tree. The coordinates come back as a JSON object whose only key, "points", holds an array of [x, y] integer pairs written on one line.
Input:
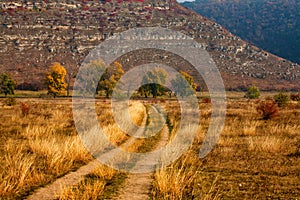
{"points": [[55, 79]]}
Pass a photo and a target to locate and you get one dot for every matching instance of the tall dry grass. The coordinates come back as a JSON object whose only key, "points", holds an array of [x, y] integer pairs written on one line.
{"points": [[38, 147], [270, 144], [252, 156], [45, 144], [94, 185], [175, 181]]}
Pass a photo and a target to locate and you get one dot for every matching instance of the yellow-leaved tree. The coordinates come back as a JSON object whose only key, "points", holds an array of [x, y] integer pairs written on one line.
{"points": [[55, 79], [110, 78]]}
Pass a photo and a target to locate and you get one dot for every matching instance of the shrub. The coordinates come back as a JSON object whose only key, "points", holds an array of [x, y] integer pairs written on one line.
{"points": [[267, 109], [281, 99], [206, 100], [252, 92], [25, 109], [295, 97], [10, 101]]}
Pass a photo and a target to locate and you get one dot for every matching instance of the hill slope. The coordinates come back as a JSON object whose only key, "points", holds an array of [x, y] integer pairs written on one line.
{"points": [[273, 25], [35, 34]]}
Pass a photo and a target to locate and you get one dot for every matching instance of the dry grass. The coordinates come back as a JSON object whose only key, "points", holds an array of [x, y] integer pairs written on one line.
{"points": [[44, 145], [270, 144], [93, 187], [18, 170], [254, 158], [86, 190], [176, 180], [37, 148], [250, 127]]}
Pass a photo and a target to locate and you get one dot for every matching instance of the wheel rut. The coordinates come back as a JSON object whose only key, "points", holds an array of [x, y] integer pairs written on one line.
{"points": [[138, 186]]}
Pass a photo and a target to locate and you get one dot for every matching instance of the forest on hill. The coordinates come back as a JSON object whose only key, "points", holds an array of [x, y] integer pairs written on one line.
{"points": [[273, 25]]}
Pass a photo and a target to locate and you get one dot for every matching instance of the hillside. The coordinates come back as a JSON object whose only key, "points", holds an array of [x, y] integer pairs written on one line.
{"points": [[36, 33], [273, 25]]}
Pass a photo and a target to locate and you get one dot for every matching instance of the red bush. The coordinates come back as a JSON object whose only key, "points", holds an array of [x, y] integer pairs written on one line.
{"points": [[267, 109], [206, 100], [25, 109]]}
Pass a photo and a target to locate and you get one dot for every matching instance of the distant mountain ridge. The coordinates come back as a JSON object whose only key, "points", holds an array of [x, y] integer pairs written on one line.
{"points": [[36, 33], [273, 25]]}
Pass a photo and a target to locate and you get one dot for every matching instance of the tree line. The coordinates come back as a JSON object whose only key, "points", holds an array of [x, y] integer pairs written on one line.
{"points": [[152, 83], [57, 81]]}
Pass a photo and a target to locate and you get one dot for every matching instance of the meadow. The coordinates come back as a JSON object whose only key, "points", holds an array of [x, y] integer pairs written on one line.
{"points": [[254, 158]]}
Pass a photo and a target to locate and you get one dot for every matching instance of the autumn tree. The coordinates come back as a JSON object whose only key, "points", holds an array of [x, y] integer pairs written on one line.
{"points": [[153, 82], [87, 78], [110, 78], [7, 84], [55, 79], [184, 84]]}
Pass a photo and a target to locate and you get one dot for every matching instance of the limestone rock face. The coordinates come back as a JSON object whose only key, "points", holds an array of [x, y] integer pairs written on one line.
{"points": [[36, 33]]}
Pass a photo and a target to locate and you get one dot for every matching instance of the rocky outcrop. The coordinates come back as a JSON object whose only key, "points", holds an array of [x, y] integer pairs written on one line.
{"points": [[35, 34]]}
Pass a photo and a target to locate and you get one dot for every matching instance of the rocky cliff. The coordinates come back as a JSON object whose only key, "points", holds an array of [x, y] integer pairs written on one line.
{"points": [[36, 33]]}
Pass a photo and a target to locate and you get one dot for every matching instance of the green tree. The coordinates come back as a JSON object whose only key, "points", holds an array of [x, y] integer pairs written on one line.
{"points": [[184, 84], [252, 92], [110, 78], [153, 82], [55, 79], [7, 84]]}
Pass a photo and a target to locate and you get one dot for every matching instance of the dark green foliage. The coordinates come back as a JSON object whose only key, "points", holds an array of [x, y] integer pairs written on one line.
{"points": [[281, 99], [7, 84], [153, 82], [270, 25]]}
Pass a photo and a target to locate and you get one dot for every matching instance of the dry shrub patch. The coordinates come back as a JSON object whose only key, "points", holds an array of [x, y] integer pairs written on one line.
{"points": [[267, 109]]}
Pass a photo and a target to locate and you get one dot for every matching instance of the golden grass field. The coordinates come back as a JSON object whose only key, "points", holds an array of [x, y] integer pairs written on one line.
{"points": [[254, 158]]}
